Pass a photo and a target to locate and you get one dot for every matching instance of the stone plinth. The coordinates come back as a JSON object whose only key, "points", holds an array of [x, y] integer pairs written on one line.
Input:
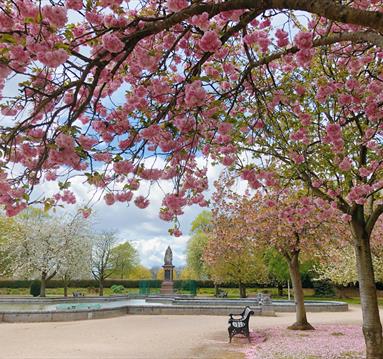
{"points": [[167, 287], [167, 284]]}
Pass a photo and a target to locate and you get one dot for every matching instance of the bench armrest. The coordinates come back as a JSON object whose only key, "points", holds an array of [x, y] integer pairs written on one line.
{"points": [[235, 315]]}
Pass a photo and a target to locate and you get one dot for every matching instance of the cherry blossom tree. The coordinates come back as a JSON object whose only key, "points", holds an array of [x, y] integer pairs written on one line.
{"points": [[231, 257], [293, 225], [326, 135], [215, 78], [286, 220], [46, 245]]}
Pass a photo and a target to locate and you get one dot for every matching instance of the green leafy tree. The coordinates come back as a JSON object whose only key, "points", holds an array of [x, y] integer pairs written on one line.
{"points": [[10, 231], [197, 244], [277, 269], [124, 258], [161, 275], [140, 272]]}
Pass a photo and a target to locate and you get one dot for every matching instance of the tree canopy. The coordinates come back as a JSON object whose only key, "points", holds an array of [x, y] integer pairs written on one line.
{"points": [[279, 91]]}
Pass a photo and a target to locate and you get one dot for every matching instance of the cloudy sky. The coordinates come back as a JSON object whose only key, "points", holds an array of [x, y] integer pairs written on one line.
{"points": [[143, 227]]}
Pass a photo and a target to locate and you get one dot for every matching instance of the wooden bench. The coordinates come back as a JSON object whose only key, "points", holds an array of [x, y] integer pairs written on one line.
{"points": [[240, 325]]}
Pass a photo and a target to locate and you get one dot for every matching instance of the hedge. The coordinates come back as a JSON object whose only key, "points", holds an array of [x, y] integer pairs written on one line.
{"points": [[90, 283]]}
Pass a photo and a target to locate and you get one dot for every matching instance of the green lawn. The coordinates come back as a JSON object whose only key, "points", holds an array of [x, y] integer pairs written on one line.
{"points": [[232, 293]]}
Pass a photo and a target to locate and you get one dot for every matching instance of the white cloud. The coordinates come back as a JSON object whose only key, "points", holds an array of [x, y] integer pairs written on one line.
{"points": [[143, 227], [152, 250]]}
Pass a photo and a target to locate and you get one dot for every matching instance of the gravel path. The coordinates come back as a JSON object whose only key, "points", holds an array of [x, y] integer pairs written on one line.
{"points": [[142, 337]]}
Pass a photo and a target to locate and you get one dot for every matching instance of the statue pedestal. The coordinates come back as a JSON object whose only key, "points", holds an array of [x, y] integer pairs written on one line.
{"points": [[167, 284], [167, 288]]}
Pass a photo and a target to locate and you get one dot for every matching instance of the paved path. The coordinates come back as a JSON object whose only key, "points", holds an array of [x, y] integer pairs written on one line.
{"points": [[141, 337]]}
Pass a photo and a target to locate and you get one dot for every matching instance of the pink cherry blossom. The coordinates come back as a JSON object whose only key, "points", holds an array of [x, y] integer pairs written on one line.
{"points": [[141, 202], [304, 40], [86, 212], [124, 196], [177, 5], [210, 41], [112, 43], [53, 58], [87, 142], [345, 164], [202, 21], [109, 199], [365, 172], [123, 167], [194, 94], [74, 4], [56, 15], [282, 37]]}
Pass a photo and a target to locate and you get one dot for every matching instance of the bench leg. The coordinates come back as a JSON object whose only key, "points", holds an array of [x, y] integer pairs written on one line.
{"points": [[248, 335], [230, 336]]}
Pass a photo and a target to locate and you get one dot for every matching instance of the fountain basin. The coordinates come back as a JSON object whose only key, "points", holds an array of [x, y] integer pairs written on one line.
{"points": [[16, 309]]}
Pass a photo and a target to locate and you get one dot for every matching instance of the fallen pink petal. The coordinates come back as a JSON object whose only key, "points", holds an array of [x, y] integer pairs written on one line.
{"points": [[325, 342]]}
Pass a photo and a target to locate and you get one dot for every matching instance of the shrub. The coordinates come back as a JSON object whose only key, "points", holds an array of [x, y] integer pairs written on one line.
{"points": [[117, 289], [324, 289], [35, 288]]}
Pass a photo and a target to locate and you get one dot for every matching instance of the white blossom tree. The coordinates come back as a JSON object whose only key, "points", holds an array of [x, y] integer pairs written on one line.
{"points": [[75, 261], [339, 265], [43, 245], [103, 257]]}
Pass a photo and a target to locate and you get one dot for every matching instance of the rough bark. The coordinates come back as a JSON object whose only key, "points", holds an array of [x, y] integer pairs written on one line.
{"points": [[65, 288], [372, 328], [101, 288], [326, 8], [301, 318]]}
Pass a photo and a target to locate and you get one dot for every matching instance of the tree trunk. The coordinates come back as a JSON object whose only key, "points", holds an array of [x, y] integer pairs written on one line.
{"points": [[65, 288], [301, 318], [101, 288], [340, 292], [280, 290], [242, 290], [372, 328], [216, 290], [122, 272], [43, 284]]}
